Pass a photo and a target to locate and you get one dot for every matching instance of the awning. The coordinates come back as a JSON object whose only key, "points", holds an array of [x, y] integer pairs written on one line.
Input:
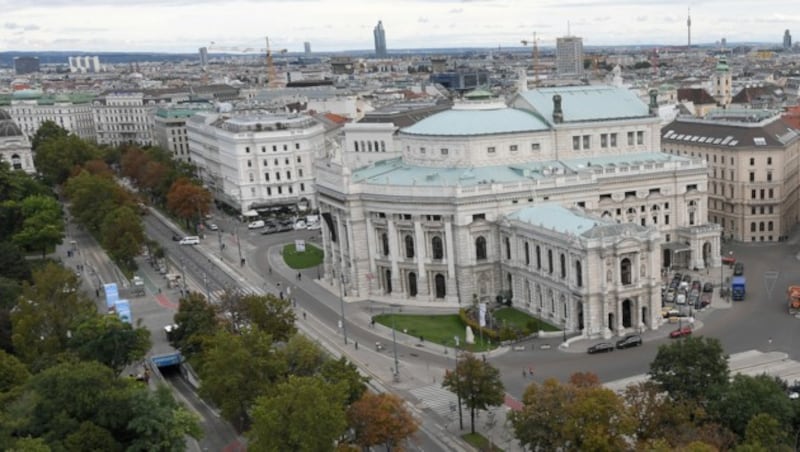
{"points": [[250, 213], [676, 247]]}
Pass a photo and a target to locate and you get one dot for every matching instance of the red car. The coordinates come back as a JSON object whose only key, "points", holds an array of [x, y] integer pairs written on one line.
{"points": [[728, 260], [680, 332]]}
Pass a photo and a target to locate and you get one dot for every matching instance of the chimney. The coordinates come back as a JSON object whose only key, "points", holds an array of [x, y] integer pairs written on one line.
{"points": [[653, 102], [558, 115]]}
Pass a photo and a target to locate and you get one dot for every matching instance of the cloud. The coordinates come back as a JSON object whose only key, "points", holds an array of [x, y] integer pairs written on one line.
{"points": [[641, 18], [422, 20], [20, 27], [456, 11]]}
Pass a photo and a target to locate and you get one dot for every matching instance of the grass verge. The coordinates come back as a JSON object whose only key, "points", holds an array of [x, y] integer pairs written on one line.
{"points": [[519, 319], [311, 257], [439, 329]]}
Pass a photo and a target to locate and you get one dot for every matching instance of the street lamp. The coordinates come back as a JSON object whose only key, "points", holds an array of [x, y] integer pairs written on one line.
{"points": [[394, 347], [458, 385], [341, 305], [564, 329]]}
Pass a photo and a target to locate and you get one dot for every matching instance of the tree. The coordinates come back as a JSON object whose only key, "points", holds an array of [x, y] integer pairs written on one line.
{"points": [[765, 433], [56, 158], [266, 312], [109, 340], [188, 200], [342, 371], [122, 234], [12, 372], [30, 445], [43, 225], [303, 357], [693, 368], [477, 383], [237, 369], [284, 420], [196, 319], [13, 264], [132, 163], [158, 423], [538, 425], [596, 419], [47, 131], [98, 167], [747, 396], [381, 419], [93, 198], [656, 416], [90, 437], [49, 311]]}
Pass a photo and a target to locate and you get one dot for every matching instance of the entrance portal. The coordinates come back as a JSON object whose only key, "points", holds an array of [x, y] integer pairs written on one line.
{"points": [[626, 313]]}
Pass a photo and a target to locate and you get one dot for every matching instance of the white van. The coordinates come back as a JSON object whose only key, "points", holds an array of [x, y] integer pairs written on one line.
{"points": [[680, 299], [258, 224], [190, 240]]}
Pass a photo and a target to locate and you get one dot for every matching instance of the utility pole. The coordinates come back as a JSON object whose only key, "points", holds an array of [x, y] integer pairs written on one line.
{"points": [[341, 305], [394, 346]]}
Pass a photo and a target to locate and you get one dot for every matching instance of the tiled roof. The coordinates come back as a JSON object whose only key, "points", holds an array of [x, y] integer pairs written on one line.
{"points": [[587, 103], [728, 134], [698, 96]]}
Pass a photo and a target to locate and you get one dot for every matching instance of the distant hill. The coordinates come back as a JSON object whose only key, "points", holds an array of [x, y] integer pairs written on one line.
{"points": [[7, 58]]}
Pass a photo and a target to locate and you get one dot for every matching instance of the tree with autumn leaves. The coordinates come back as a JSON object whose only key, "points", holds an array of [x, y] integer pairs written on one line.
{"points": [[381, 419], [188, 200]]}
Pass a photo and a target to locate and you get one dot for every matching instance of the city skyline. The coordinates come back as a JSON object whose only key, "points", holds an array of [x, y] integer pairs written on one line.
{"points": [[184, 26]]}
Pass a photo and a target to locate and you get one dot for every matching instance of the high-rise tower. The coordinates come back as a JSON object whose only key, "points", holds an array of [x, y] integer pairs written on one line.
{"points": [[569, 56], [689, 28], [787, 40], [380, 40]]}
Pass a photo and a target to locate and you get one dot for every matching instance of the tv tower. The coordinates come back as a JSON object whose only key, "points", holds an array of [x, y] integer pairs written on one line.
{"points": [[689, 27]]}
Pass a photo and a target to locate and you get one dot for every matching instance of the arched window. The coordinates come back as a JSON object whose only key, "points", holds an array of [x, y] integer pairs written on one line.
{"points": [[761, 226], [385, 244], [369, 146], [578, 274], [409, 241], [383, 146], [563, 263], [356, 143], [753, 227], [550, 261], [480, 248], [437, 248], [538, 257], [441, 288], [625, 271], [507, 242], [376, 146], [769, 226], [412, 284], [527, 254], [510, 280]]}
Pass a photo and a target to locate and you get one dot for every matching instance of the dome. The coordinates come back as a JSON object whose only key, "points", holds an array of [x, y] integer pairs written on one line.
{"points": [[8, 128]]}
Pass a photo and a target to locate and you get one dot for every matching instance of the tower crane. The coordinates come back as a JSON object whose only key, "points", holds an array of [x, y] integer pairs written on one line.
{"points": [[272, 74], [535, 55]]}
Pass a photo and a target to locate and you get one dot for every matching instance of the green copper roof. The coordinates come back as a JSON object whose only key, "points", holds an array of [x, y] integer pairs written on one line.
{"points": [[477, 122], [587, 103]]}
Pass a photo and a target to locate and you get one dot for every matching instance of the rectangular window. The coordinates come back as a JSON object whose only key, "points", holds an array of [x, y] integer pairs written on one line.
{"points": [[300, 172], [752, 161], [277, 176], [288, 175], [769, 160], [299, 160], [771, 193], [576, 143], [666, 219], [752, 194], [280, 190], [302, 187], [535, 146], [640, 137], [269, 191], [586, 141], [285, 147], [422, 150], [490, 150], [444, 151], [603, 140], [752, 176], [769, 176], [630, 138], [297, 146], [513, 148], [249, 164], [274, 148], [762, 193], [266, 176], [613, 137]]}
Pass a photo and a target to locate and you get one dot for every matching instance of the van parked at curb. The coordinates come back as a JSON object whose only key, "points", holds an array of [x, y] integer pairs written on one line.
{"points": [[190, 240]]}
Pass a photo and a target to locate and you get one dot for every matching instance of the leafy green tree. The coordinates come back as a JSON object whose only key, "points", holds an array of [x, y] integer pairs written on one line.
{"points": [[285, 420], [747, 396], [477, 382], [765, 433], [90, 437], [110, 341], [29, 444], [122, 234], [43, 224], [538, 424], [596, 419], [693, 368], [381, 419], [303, 357], [656, 416], [196, 319], [266, 312], [237, 369], [342, 371], [49, 311], [188, 200], [12, 372], [92, 198], [158, 423], [47, 131], [13, 264], [56, 158]]}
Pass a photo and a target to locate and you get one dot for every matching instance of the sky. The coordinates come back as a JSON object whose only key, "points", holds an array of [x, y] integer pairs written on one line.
{"points": [[333, 25]]}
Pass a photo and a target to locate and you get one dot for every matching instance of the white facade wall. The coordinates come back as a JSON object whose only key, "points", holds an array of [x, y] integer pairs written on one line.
{"points": [[75, 118], [365, 143], [123, 118]]}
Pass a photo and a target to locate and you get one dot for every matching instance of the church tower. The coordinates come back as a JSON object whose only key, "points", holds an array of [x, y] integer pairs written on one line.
{"points": [[722, 83]]}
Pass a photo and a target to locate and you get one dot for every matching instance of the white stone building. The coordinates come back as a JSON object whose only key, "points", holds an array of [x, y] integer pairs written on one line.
{"points": [[169, 127], [254, 161], [14, 145], [124, 117], [71, 111], [449, 219]]}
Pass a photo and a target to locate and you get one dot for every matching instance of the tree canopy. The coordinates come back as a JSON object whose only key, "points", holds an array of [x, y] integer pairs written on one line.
{"points": [[477, 383], [188, 200], [692, 368], [381, 419]]}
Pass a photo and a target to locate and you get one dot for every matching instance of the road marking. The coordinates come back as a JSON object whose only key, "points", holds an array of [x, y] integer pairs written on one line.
{"points": [[165, 302]]}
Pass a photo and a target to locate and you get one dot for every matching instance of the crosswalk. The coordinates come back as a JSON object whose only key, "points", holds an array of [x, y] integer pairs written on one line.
{"points": [[436, 398]]}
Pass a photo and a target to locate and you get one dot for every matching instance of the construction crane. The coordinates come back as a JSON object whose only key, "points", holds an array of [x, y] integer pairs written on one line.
{"points": [[535, 55], [272, 74]]}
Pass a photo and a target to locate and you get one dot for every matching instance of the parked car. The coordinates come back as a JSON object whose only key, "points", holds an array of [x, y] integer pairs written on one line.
{"points": [[670, 297], [314, 226], [631, 340], [708, 287], [674, 284], [211, 226], [694, 298], [678, 276], [602, 347], [269, 229], [697, 285], [190, 240], [705, 300], [680, 332], [738, 269], [681, 298], [258, 224], [728, 260], [687, 278], [176, 237], [300, 225], [669, 312]]}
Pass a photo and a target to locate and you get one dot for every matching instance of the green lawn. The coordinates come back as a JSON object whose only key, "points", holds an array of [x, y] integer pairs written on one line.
{"points": [[311, 257], [479, 442], [439, 329], [520, 319]]}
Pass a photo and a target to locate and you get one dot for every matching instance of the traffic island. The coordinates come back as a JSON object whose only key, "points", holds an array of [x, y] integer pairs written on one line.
{"points": [[309, 256]]}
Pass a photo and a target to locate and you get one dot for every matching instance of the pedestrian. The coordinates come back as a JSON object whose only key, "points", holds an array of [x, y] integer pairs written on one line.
{"points": [[299, 276], [530, 370], [524, 374], [484, 357], [269, 270], [159, 291], [304, 315], [356, 345], [242, 262], [280, 295]]}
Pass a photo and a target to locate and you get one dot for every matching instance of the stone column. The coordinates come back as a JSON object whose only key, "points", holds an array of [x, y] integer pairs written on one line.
{"points": [[371, 255], [351, 270], [419, 242], [341, 264], [394, 251], [452, 290]]}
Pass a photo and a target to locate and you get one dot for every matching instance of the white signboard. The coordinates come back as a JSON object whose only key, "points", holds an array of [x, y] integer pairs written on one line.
{"points": [[482, 314], [300, 246]]}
